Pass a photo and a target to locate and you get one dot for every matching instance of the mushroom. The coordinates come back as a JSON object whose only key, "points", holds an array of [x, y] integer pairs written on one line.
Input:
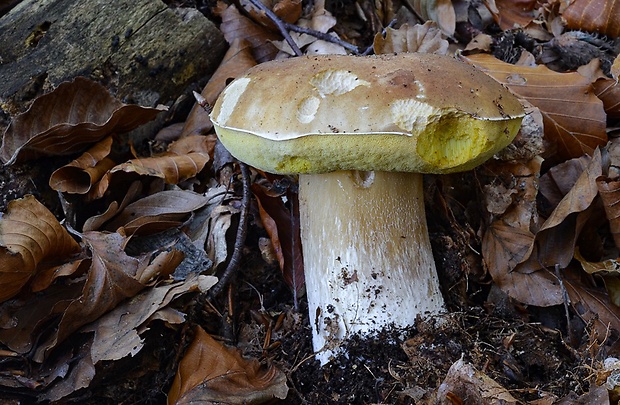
{"points": [[360, 131]]}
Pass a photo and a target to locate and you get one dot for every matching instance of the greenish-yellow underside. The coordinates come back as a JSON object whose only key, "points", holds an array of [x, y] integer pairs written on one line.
{"points": [[447, 145]]}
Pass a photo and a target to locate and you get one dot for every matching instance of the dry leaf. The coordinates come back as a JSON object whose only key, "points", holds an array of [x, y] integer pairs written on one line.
{"points": [[594, 16], [117, 332], [609, 190], [68, 120], [283, 229], [170, 167], [608, 90], [574, 117], [440, 11], [464, 381], [513, 14], [236, 26], [213, 374], [31, 240], [237, 60], [165, 206], [78, 176], [591, 304], [110, 280], [418, 38]]}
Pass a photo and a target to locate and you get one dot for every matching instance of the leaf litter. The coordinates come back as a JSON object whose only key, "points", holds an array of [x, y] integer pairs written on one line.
{"points": [[529, 262]]}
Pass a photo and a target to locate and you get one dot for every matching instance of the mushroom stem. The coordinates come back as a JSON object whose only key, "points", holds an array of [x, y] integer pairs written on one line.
{"points": [[367, 255]]}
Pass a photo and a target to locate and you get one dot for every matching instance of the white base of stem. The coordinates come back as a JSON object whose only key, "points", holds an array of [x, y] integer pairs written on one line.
{"points": [[367, 255]]}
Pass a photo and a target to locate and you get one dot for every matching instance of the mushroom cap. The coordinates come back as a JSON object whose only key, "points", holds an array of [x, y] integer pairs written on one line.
{"points": [[409, 112]]}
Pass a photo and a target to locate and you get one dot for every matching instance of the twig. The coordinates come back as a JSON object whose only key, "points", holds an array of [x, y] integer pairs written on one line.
{"points": [[285, 27], [322, 35], [281, 25], [235, 259]]}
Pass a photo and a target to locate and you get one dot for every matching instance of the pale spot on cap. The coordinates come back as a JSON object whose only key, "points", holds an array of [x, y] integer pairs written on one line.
{"points": [[409, 113], [306, 111], [336, 82]]}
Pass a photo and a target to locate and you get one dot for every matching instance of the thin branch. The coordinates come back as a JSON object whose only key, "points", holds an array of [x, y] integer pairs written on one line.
{"points": [[235, 259], [323, 36], [281, 25], [285, 27]]}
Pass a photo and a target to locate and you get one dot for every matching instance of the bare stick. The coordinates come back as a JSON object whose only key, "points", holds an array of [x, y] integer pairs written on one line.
{"points": [[235, 259], [281, 25], [323, 36]]}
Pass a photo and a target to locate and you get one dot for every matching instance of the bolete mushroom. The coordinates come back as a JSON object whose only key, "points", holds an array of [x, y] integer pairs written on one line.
{"points": [[359, 131]]}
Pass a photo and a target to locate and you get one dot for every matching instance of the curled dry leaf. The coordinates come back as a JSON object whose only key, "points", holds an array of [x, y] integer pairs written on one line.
{"points": [[31, 240], [211, 373], [78, 176], [597, 16], [69, 119], [574, 117], [426, 38], [172, 168]]}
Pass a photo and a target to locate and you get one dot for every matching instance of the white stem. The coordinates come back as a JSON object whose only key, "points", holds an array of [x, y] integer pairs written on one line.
{"points": [[367, 255]]}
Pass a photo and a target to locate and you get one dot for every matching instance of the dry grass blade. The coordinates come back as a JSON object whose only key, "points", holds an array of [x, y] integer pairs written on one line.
{"points": [[31, 240], [574, 117], [69, 119]]}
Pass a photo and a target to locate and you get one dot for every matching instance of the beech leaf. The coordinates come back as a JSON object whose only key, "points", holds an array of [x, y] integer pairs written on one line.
{"points": [[111, 278], [78, 176], [211, 373], [426, 38], [69, 119], [594, 16], [31, 240], [573, 116]]}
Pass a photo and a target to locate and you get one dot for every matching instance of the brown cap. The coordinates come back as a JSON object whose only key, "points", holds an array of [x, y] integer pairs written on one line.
{"points": [[407, 112]]}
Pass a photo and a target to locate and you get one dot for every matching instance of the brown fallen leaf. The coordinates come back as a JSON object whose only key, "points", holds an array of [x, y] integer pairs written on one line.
{"points": [[168, 205], [78, 176], [211, 373], [440, 11], [594, 16], [512, 14], [609, 190], [426, 38], [282, 227], [591, 304], [117, 333], [573, 116], [465, 384], [237, 60], [68, 120], [112, 277], [31, 240], [236, 26]]}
